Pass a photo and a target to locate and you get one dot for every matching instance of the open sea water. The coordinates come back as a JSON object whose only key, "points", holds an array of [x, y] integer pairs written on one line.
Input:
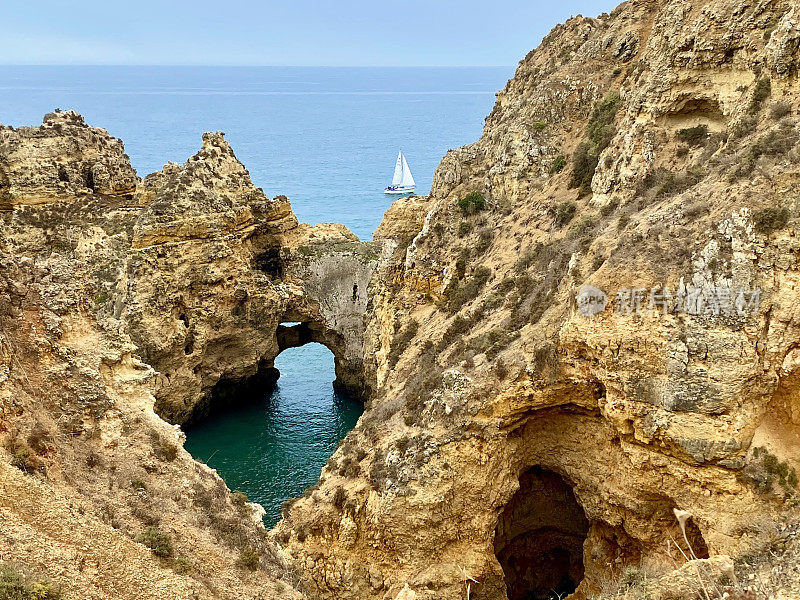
{"points": [[325, 137]]}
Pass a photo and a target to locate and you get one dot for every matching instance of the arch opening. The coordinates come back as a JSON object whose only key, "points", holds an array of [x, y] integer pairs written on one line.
{"points": [[276, 436], [296, 330], [539, 538]]}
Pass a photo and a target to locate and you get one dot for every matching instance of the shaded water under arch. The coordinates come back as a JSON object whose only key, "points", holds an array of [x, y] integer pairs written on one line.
{"points": [[274, 444]]}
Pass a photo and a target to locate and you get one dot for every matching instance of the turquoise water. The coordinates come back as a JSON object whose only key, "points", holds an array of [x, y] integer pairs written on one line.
{"points": [[325, 137], [274, 447]]}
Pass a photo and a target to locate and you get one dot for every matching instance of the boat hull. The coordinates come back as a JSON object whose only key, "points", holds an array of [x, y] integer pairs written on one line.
{"points": [[399, 190]]}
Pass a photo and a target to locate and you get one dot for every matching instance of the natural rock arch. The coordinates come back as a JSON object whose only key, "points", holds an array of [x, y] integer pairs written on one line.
{"points": [[213, 270]]}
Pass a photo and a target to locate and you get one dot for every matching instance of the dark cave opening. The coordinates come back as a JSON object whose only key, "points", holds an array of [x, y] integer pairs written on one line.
{"points": [[89, 179], [269, 261], [539, 538], [233, 392]]}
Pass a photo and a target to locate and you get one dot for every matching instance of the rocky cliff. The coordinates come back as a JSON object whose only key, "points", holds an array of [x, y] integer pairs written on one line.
{"points": [[596, 306], [579, 353], [126, 305]]}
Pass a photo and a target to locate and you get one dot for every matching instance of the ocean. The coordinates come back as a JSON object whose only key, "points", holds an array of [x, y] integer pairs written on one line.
{"points": [[327, 138]]}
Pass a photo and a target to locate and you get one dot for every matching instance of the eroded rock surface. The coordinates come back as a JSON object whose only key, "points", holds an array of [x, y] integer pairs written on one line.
{"points": [[650, 154], [62, 159], [126, 303]]}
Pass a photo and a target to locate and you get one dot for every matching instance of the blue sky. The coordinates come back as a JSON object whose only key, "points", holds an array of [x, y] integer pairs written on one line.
{"points": [[291, 32]]}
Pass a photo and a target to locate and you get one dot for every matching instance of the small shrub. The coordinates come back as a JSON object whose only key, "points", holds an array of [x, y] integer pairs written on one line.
{"points": [[239, 499], [766, 470], [249, 558], [459, 295], [609, 208], [138, 485], [209, 499], [472, 203], [762, 91], [528, 258], [163, 449], [457, 329], [492, 342], [623, 221], [524, 284], [632, 576], [401, 342], [461, 266], [694, 136], [93, 459], [339, 498], [464, 228], [600, 131], [582, 227], [558, 164], [40, 440], [485, 237], [601, 124], [23, 459], [15, 586], [286, 506], [780, 109], [666, 183], [402, 444], [745, 126], [695, 210], [506, 285], [564, 213], [539, 125], [584, 164], [500, 369], [159, 542], [482, 274], [182, 566], [777, 142], [349, 467], [772, 218]]}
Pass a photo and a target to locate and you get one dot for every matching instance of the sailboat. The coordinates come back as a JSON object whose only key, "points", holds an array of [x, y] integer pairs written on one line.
{"points": [[403, 181]]}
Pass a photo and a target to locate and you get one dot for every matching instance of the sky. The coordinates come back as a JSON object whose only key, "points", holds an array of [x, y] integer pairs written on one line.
{"points": [[289, 32]]}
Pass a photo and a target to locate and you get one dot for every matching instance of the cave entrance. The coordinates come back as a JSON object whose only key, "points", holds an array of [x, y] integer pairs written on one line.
{"points": [[539, 538], [274, 437]]}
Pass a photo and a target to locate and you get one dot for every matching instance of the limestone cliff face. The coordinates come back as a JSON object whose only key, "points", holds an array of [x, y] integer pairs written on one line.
{"points": [[63, 159], [650, 153], [125, 304], [190, 289], [523, 433]]}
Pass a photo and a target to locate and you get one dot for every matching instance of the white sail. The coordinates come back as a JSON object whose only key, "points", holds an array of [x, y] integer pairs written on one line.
{"points": [[398, 169], [406, 180]]}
